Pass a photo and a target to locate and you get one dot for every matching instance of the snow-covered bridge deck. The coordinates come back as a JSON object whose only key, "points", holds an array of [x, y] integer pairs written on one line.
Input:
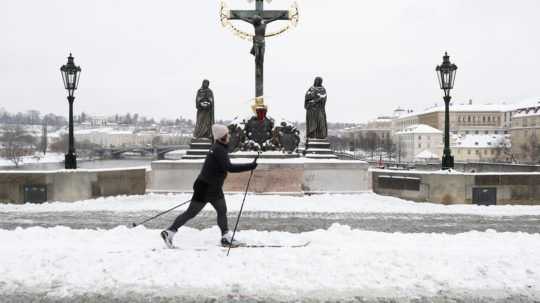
{"points": [[118, 264]]}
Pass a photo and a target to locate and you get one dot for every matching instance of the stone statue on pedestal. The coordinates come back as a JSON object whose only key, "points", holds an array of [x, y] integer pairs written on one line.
{"points": [[315, 103], [205, 111]]}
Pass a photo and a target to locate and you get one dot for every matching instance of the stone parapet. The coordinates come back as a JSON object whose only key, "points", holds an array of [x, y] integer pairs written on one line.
{"points": [[451, 187], [70, 185]]}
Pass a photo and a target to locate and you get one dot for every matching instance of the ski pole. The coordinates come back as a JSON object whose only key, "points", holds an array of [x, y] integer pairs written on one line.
{"points": [[242, 206], [160, 214]]}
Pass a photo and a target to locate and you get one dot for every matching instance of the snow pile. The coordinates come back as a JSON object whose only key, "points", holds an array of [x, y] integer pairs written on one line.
{"points": [[339, 263], [328, 203]]}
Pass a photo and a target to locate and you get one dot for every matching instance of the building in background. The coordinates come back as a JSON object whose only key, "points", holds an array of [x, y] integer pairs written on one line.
{"points": [[482, 148], [525, 131], [465, 118], [419, 143]]}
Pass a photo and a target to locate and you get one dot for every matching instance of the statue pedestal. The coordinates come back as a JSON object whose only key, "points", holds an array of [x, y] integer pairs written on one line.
{"points": [[297, 176], [198, 148], [319, 148]]}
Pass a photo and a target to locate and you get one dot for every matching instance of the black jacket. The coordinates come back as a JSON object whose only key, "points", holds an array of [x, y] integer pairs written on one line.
{"points": [[218, 164]]}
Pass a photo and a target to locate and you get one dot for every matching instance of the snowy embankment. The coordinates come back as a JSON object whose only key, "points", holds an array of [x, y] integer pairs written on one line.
{"points": [[339, 263], [330, 203], [37, 158]]}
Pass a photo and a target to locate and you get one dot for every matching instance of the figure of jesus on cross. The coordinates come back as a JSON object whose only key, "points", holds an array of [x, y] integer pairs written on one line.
{"points": [[259, 18]]}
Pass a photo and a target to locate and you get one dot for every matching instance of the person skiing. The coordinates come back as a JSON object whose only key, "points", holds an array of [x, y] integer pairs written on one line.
{"points": [[208, 187]]}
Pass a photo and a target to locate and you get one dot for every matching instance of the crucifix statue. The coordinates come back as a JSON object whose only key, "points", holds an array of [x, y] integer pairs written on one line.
{"points": [[259, 18]]}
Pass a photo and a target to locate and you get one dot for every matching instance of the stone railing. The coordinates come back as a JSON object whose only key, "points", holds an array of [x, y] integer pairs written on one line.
{"points": [[457, 187], [70, 185]]}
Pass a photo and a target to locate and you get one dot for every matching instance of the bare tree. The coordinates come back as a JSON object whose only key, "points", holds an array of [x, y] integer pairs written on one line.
{"points": [[157, 140], [389, 147], [504, 153], [44, 140], [33, 117], [16, 143], [531, 149], [371, 143], [337, 143], [82, 147], [534, 151]]}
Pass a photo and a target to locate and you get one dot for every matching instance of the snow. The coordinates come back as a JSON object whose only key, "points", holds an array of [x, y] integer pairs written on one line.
{"points": [[73, 171], [254, 153], [419, 129], [464, 107], [482, 141], [180, 152], [340, 263], [36, 158], [325, 203], [426, 154], [527, 102], [528, 112], [297, 160], [488, 107], [456, 172], [104, 130]]}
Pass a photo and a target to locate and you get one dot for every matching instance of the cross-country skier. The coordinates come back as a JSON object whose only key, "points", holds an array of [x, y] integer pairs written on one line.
{"points": [[208, 187]]}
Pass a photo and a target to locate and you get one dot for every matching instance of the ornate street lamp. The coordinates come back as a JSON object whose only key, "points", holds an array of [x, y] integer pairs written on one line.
{"points": [[70, 75], [446, 72]]}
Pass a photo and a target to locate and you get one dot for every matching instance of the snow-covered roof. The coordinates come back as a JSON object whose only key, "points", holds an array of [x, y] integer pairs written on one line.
{"points": [[525, 103], [426, 154], [464, 107], [419, 129], [482, 141], [528, 112], [383, 119], [473, 107], [107, 130]]}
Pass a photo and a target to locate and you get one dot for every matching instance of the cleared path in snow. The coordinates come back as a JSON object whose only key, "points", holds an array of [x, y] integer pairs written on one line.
{"points": [[294, 222]]}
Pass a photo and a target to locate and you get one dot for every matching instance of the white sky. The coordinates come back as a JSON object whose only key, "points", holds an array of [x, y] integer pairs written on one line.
{"points": [[151, 56]]}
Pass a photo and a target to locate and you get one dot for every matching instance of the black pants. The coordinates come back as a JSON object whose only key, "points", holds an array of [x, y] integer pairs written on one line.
{"points": [[195, 207]]}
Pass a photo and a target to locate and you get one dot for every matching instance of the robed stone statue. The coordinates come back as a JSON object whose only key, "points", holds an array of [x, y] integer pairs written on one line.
{"points": [[205, 111], [315, 103]]}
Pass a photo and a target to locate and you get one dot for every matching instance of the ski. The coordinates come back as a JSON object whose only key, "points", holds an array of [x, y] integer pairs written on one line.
{"points": [[161, 249], [226, 247], [270, 245]]}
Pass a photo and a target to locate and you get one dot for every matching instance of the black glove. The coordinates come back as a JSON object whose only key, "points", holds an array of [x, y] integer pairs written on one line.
{"points": [[256, 158], [254, 163]]}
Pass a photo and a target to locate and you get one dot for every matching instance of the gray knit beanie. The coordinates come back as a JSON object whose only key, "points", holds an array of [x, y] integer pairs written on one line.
{"points": [[219, 131]]}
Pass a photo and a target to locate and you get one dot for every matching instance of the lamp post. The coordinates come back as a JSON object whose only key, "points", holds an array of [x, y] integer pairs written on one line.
{"points": [[70, 76], [446, 72]]}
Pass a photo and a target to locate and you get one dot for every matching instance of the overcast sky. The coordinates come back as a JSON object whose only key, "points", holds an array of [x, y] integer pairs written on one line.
{"points": [[151, 56]]}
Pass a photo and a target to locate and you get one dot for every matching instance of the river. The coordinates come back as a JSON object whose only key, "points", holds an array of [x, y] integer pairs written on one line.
{"points": [[90, 164]]}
